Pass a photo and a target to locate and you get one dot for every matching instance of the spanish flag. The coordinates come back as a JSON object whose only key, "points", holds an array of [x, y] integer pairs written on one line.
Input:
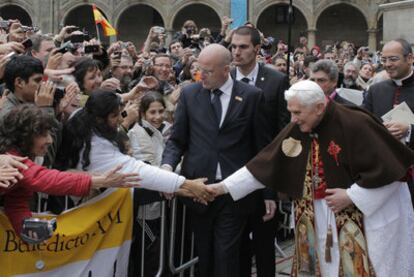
{"points": [[100, 19]]}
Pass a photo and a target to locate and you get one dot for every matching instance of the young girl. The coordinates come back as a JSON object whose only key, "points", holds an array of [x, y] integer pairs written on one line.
{"points": [[149, 135], [147, 140]]}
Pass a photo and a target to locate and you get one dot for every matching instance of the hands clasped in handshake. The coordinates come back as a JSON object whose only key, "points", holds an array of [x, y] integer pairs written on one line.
{"points": [[199, 191]]}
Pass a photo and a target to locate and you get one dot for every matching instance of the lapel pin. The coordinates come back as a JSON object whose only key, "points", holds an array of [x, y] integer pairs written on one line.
{"points": [[262, 79], [238, 98]]}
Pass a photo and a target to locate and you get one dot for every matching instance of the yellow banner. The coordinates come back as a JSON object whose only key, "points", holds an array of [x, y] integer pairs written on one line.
{"points": [[98, 229]]}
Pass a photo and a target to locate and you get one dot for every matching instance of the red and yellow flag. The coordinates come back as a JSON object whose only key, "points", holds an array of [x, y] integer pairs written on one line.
{"points": [[100, 19]]}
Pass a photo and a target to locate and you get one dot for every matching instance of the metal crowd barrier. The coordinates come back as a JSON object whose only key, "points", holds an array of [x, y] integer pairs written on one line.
{"points": [[184, 265], [175, 269]]}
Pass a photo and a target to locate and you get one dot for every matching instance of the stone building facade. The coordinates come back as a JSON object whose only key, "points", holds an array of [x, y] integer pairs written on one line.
{"points": [[323, 21]]}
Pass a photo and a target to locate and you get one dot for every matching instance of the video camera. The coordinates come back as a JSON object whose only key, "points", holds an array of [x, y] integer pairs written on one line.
{"points": [[36, 230], [5, 24], [67, 46]]}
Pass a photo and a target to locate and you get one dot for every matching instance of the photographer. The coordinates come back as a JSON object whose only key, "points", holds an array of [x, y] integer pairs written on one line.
{"points": [[23, 79], [180, 56], [155, 40], [362, 56], [188, 35], [122, 68], [42, 45]]}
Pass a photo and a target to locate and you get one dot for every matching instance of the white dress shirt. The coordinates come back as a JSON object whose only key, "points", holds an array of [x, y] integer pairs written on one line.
{"points": [[252, 76], [227, 89]]}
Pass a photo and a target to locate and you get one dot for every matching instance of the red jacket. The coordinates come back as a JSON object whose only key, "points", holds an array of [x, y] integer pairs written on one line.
{"points": [[40, 179]]}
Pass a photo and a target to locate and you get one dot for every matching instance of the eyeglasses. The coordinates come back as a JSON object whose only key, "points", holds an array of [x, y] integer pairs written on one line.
{"points": [[205, 71], [391, 59]]}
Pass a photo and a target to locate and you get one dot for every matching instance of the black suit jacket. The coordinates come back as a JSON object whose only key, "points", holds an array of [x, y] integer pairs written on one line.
{"points": [[273, 112], [197, 136], [380, 99], [274, 107]]}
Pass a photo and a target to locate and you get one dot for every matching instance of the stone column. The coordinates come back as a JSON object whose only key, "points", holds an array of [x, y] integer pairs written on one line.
{"points": [[311, 38], [372, 39]]}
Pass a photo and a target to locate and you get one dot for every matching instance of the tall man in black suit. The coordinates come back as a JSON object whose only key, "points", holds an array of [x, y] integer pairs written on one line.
{"points": [[397, 58], [245, 46], [215, 129]]}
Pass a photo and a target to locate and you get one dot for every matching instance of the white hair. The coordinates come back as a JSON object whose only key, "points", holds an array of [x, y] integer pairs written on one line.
{"points": [[307, 92]]}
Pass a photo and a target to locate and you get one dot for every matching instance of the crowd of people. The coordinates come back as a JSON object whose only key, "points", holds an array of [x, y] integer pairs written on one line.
{"points": [[218, 121]]}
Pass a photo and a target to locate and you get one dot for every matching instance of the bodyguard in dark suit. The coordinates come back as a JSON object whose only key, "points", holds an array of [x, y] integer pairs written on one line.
{"points": [[215, 131], [245, 45]]}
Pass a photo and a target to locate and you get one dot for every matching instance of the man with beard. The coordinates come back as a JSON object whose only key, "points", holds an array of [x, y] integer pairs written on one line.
{"points": [[350, 76], [123, 71]]}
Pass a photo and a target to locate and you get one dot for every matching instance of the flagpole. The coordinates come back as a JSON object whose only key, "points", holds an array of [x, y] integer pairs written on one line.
{"points": [[290, 22]]}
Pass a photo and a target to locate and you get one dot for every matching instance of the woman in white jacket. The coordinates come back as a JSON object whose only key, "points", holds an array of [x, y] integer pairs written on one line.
{"points": [[90, 143]]}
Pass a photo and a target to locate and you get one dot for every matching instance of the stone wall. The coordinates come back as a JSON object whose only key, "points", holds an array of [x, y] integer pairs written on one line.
{"points": [[318, 18]]}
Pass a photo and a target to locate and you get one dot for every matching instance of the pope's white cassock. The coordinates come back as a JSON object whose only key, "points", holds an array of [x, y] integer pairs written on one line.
{"points": [[388, 222]]}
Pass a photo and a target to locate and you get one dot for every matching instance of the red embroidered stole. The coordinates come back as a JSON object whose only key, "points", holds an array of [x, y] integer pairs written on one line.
{"points": [[352, 245]]}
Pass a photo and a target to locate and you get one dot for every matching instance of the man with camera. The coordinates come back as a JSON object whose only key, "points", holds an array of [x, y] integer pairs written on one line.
{"points": [[122, 68], [23, 78], [42, 45]]}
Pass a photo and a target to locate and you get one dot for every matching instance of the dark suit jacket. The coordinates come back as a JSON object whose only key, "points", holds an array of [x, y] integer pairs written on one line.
{"points": [[380, 99], [274, 114], [274, 108], [197, 136]]}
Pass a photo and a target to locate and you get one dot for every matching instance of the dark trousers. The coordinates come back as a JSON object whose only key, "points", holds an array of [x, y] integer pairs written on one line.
{"points": [[217, 235], [262, 245], [410, 183]]}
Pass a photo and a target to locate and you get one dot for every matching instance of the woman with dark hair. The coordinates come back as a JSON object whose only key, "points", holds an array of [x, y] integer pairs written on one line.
{"points": [[148, 136], [88, 76], [26, 134], [90, 143], [190, 71]]}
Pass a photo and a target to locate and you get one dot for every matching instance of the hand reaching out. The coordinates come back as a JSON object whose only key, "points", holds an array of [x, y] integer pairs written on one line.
{"points": [[216, 189], [197, 190], [8, 160], [114, 178], [9, 176]]}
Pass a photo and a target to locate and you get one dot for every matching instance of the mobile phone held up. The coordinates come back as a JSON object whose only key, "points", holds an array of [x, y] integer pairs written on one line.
{"points": [[91, 49], [27, 43]]}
